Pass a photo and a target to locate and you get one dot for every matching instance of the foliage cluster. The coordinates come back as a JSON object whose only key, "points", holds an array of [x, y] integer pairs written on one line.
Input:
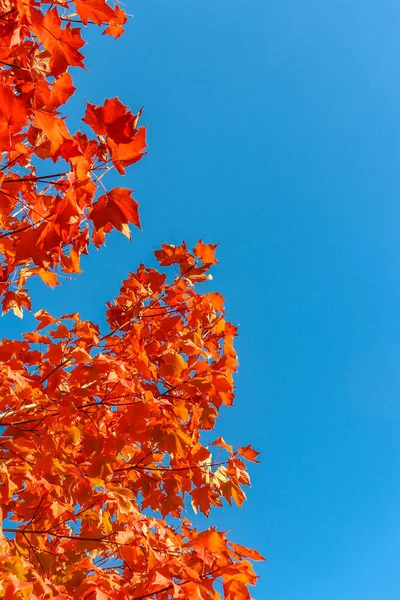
{"points": [[102, 454]]}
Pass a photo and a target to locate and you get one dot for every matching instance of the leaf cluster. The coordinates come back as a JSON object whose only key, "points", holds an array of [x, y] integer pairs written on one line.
{"points": [[48, 216], [102, 433]]}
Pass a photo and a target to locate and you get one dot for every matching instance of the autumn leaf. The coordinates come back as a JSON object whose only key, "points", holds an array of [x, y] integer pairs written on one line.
{"points": [[211, 540], [112, 120], [170, 254], [217, 300], [206, 252], [44, 319], [94, 10], [232, 491], [16, 301], [48, 277], [54, 129], [172, 364], [114, 30], [63, 44], [52, 96], [71, 262], [116, 439], [124, 155], [246, 552], [73, 435], [221, 442], [249, 453], [116, 208], [12, 116]]}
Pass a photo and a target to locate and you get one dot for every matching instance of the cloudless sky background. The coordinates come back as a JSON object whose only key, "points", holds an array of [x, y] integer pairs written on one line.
{"points": [[273, 129]]}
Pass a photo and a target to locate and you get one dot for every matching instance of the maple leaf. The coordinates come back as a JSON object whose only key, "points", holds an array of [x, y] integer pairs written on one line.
{"points": [[246, 552], [97, 11], [221, 442], [73, 435], [206, 252], [249, 453], [211, 540], [113, 120], [71, 263], [217, 300], [55, 129], [233, 491], [123, 155], [235, 590], [201, 500], [51, 97], [62, 44], [12, 116], [114, 30], [170, 254], [173, 364], [159, 580], [48, 277], [15, 301], [44, 319], [116, 208]]}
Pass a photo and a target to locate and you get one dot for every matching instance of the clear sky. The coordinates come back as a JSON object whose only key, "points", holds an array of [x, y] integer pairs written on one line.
{"points": [[273, 129]]}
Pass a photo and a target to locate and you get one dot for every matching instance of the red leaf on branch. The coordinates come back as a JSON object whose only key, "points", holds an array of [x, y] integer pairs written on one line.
{"points": [[97, 11], [249, 453], [116, 208], [206, 253]]}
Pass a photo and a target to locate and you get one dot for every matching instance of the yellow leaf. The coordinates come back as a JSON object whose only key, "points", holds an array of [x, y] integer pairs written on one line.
{"points": [[107, 523], [97, 481], [73, 435], [173, 364], [220, 476], [48, 277], [231, 490], [210, 539]]}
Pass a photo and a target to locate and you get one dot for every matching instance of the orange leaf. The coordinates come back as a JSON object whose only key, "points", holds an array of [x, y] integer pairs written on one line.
{"points": [[12, 116], [62, 44], [44, 318], [94, 10], [211, 540], [54, 128], [117, 208], [246, 552], [116, 122], [170, 254], [217, 300], [114, 30], [249, 453], [173, 364], [15, 301], [124, 155], [73, 435], [206, 252], [49, 277], [221, 442]]}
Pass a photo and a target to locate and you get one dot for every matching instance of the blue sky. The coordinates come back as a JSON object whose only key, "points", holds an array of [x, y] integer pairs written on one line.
{"points": [[273, 129]]}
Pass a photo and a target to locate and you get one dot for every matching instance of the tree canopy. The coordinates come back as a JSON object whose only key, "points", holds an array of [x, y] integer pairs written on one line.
{"points": [[102, 451]]}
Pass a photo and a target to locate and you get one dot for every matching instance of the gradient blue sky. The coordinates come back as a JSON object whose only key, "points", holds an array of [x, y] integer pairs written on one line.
{"points": [[273, 129]]}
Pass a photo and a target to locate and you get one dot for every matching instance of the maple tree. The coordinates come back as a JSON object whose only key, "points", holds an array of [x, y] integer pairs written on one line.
{"points": [[102, 450]]}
